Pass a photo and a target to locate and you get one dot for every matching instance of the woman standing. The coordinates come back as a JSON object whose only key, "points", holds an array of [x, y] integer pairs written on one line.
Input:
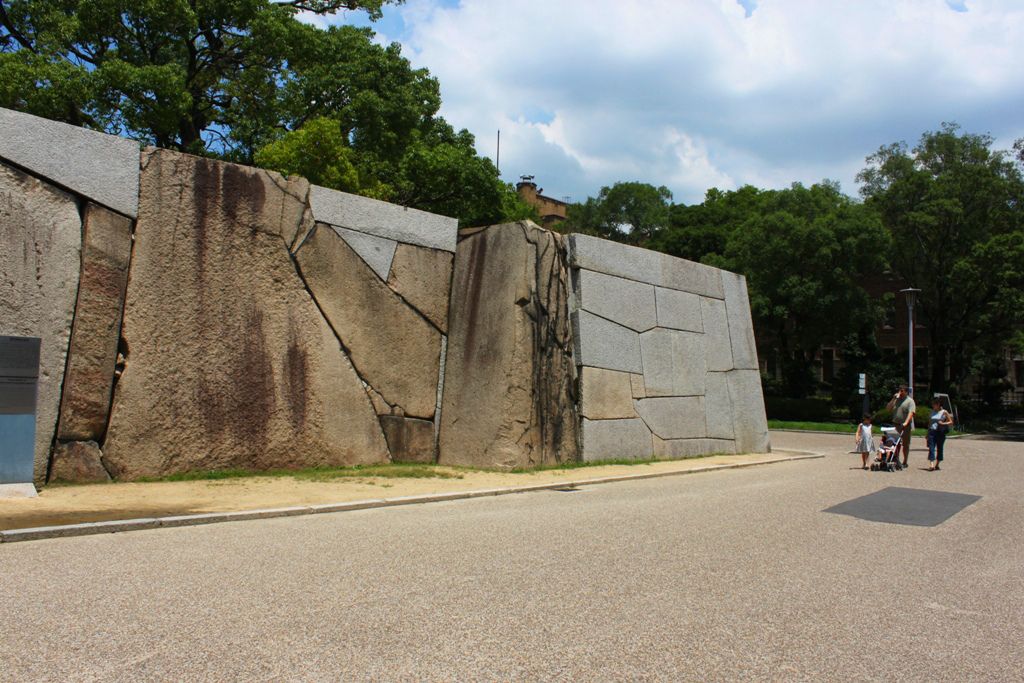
{"points": [[938, 425]]}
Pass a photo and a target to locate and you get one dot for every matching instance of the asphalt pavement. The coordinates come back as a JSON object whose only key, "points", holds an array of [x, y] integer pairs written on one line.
{"points": [[732, 575]]}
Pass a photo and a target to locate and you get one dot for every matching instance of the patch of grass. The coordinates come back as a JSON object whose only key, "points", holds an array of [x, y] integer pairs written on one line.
{"points": [[385, 471], [599, 463], [827, 427]]}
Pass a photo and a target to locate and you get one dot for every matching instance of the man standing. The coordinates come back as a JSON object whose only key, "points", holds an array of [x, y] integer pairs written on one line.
{"points": [[903, 407]]}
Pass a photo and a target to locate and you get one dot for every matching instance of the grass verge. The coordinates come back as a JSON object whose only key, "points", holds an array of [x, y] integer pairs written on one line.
{"points": [[837, 427]]}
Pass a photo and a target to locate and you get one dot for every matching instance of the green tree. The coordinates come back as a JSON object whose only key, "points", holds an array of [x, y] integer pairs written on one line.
{"points": [[630, 212], [953, 207]]}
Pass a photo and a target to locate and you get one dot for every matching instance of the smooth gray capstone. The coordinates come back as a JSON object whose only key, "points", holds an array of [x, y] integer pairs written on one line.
{"points": [[382, 219], [104, 168], [377, 252]]}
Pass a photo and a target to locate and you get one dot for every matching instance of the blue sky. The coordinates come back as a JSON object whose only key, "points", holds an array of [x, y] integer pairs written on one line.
{"points": [[694, 94]]}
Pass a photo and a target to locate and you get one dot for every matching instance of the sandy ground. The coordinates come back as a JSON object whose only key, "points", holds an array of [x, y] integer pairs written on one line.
{"points": [[101, 502]]}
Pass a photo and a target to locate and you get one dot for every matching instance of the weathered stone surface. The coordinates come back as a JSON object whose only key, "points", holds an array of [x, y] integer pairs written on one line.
{"points": [[642, 265], [674, 417], [423, 277], [673, 449], [40, 240], [509, 398], [104, 168], [639, 388], [749, 421], [409, 439], [674, 362], [77, 462], [741, 327], [613, 258], [229, 362], [690, 276], [605, 394], [376, 251], [391, 221], [625, 302], [678, 310], [614, 439], [716, 327], [106, 249], [601, 343], [718, 405], [393, 349]]}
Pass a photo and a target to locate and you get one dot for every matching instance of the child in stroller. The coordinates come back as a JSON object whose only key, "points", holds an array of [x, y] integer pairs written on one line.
{"points": [[888, 452]]}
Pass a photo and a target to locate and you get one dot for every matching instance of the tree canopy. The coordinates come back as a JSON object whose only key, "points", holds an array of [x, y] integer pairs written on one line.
{"points": [[246, 81], [953, 206], [630, 212]]}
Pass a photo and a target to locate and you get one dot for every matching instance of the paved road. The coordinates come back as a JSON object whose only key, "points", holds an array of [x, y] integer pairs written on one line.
{"points": [[724, 576]]}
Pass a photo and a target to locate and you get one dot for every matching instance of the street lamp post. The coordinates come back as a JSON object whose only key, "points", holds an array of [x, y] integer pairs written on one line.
{"points": [[911, 295]]}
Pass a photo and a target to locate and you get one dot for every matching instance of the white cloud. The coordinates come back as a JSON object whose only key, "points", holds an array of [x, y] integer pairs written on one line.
{"points": [[700, 93]]}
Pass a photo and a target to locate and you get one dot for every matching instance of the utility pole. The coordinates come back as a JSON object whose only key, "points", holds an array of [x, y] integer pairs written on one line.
{"points": [[497, 158]]}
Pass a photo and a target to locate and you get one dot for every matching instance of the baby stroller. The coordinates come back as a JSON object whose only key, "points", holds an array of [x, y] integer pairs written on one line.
{"points": [[888, 452]]}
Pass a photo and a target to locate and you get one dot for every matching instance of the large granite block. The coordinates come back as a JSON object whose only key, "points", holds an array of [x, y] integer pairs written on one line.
{"points": [[509, 385], [382, 219], [92, 357], [423, 277], [605, 394], [40, 242], [718, 406], [690, 276], [674, 417], [613, 258], [674, 362], [674, 449], [615, 439], [741, 327], [716, 327], [625, 302], [679, 310], [394, 349], [77, 462], [749, 420], [104, 168], [601, 343], [229, 361], [377, 252], [409, 439]]}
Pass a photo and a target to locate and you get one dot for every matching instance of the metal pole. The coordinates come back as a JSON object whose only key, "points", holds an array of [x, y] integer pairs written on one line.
{"points": [[911, 295], [497, 162]]}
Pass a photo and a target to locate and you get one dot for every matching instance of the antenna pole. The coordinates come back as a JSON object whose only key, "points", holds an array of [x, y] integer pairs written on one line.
{"points": [[498, 156]]}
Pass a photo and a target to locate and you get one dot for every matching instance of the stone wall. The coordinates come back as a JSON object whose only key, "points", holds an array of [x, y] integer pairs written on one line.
{"points": [[665, 347], [200, 315], [204, 315]]}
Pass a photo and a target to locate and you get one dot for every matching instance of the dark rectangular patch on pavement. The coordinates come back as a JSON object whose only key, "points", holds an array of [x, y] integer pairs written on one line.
{"points": [[897, 505]]}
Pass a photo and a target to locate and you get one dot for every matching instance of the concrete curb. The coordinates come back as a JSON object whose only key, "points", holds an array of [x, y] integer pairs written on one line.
{"points": [[91, 528]]}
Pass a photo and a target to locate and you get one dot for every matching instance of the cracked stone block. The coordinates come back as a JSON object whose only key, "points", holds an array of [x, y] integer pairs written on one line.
{"points": [[77, 462], [741, 326], [229, 361], [678, 310], [605, 394], [674, 449], [716, 327], [41, 235], [382, 219], [690, 276], [601, 343], [104, 168], [625, 302], [393, 349], [673, 417], [509, 385], [615, 439], [423, 277], [638, 386], [409, 439], [92, 356], [749, 420], [674, 362], [377, 252], [718, 405]]}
